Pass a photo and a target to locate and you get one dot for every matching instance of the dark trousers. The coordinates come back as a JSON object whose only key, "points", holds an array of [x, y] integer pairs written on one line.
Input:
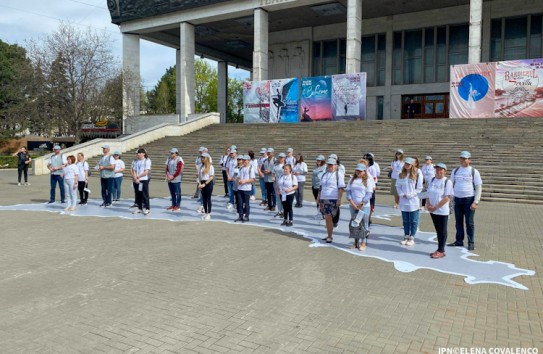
{"points": [[54, 180], [463, 212], [440, 224], [83, 196], [287, 207], [107, 189], [244, 208], [23, 170], [225, 181], [207, 191], [315, 195], [270, 194], [299, 194], [142, 197]]}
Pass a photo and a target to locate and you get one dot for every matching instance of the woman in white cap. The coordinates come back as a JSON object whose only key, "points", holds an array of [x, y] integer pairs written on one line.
{"points": [[261, 176], [374, 171], [173, 172], [206, 174], [359, 191], [428, 172], [277, 173], [141, 168], [224, 162], [330, 194], [83, 178], [71, 176], [290, 159], [341, 169], [318, 170], [300, 171], [440, 191], [288, 184], [118, 176], [395, 169], [409, 185]]}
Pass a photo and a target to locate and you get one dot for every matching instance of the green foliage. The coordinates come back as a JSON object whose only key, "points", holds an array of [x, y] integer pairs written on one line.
{"points": [[10, 161]]}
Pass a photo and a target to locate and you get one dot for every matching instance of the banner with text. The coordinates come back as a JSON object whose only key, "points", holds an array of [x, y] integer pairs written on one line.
{"points": [[284, 101], [349, 96], [316, 101], [256, 102]]}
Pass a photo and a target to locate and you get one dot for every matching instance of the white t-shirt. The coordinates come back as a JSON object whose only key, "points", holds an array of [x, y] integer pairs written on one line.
{"points": [[428, 171], [356, 191], [232, 165], [331, 183], [302, 168], [373, 172], [377, 168], [82, 167], [286, 182], [71, 171], [437, 190], [206, 176], [223, 160], [246, 173], [140, 166], [396, 167], [463, 181], [119, 164], [408, 192]]}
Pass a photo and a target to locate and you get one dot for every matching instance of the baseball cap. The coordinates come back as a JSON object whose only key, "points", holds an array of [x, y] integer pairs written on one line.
{"points": [[409, 160], [202, 148], [320, 158], [360, 167], [233, 147], [331, 161], [441, 165], [56, 147], [205, 154], [290, 150], [428, 157], [117, 152], [400, 151], [233, 151], [105, 146], [270, 150], [465, 155], [174, 150], [333, 156], [282, 154], [263, 150]]}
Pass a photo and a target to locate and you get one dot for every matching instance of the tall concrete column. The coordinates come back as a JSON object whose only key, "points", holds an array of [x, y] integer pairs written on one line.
{"points": [[354, 36], [185, 72], [131, 80], [222, 99], [387, 104], [260, 53], [475, 16], [177, 83]]}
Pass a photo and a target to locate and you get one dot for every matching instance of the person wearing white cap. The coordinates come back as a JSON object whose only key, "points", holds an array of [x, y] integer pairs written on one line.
{"points": [[341, 169], [56, 165], [428, 172], [440, 191], [82, 178], [141, 168], [288, 184], [277, 173], [232, 166], [106, 166], [198, 164], [318, 170], [267, 170], [300, 171], [374, 171], [71, 179], [224, 162], [173, 173], [330, 194], [254, 164], [247, 175], [290, 159], [206, 174], [261, 178], [467, 185], [118, 176], [409, 185], [395, 169], [359, 191]]}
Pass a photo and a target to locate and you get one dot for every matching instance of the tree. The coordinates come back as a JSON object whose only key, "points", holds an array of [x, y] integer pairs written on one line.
{"points": [[206, 86], [235, 101], [84, 60]]}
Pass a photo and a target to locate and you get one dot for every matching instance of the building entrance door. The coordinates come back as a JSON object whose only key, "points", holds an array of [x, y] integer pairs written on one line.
{"points": [[425, 106]]}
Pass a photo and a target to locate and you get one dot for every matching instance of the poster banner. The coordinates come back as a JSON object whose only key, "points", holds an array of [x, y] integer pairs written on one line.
{"points": [[256, 102], [472, 90], [519, 88], [284, 101], [349, 96], [316, 100]]}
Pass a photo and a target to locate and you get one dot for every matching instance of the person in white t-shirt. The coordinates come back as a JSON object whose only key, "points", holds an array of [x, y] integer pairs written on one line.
{"points": [[206, 174], [359, 191], [428, 172], [82, 178], [395, 169], [439, 192], [247, 175], [224, 162], [71, 175], [290, 159], [261, 177], [254, 164], [467, 184], [118, 176], [332, 185], [288, 184], [408, 186], [300, 171], [141, 167]]}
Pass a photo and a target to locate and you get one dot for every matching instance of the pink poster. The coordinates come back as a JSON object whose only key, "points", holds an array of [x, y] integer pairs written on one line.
{"points": [[519, 88], [472, 90]]}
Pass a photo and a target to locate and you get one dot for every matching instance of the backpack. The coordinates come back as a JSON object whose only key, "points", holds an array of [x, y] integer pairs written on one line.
{"points": [[471, 173]]}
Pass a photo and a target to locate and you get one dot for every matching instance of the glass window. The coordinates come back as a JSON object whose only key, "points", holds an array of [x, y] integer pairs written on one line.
{"points": [[397, 59], [535, 36], [329, 57], [429, 55], [412, 60], [317, 59], [441, 55], [342, 56], [496, 40], [458, 44], [381, 59], [368, 59], [428, 108], [515, 38], [440, 107]]}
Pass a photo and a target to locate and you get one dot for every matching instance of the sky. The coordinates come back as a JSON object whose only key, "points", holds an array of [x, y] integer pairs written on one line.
{"points": [[22, 20]]}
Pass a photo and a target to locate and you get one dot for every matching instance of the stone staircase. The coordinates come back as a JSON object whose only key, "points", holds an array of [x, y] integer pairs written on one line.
{"points": [[507, 152]]}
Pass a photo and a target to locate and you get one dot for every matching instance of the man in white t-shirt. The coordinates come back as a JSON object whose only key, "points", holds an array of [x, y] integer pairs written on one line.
{"points": [[467, 185]]}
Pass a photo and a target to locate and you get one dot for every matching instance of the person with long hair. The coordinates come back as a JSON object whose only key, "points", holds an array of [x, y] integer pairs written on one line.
{"points": [[261, 177], [395, 169], [71, 174], [206, 174], [141, 167], [359, 191], [341, 169], [299, 170], [288, 184], [372, 170], [118, 176], [174, 170], [408, 186], [82, 178], [440, 191], [318, 170], [330, 194], [277, 173]]}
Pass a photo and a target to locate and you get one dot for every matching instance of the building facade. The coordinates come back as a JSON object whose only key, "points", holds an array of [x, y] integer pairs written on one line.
{"points": [[405, 47]]}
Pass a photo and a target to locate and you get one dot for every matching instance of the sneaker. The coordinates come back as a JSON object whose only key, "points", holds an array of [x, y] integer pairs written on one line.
{"points": [[134, 205], [395, 206], [284, 223], [50, 202], [170, 207], [200, 210], [455, 244], [252, 198], [107, 206], [83, 203], [267, 208], [335, 226], [289, 223], [27, 184], [176, 209], [146, 211], [225, 196], [272, 209], [18, 184], [103, 205], [437, 254], [229, 206], [137, 211], [410, 242], [206, 217], [404, 241], [245, 218], [62, 201], [471, 247], [238, 219]]}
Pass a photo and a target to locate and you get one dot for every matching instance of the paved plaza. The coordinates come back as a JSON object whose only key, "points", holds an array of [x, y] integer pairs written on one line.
{"points": [[91, 284]]}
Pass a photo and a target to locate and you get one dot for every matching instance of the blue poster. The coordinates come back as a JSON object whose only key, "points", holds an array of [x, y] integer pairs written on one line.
{"points": [[284, 101], [316, 102]]}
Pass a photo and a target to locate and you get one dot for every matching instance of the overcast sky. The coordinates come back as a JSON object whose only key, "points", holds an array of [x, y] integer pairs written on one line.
{"points": [[21, 20]]}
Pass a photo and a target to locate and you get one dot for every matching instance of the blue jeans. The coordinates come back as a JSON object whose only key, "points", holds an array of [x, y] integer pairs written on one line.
{"points": [[175, 193], [107, 189], [410, 222], [462, 211], [117, 181], [263, 189], [54, 180], [244, 206], [253, 190], [231, 192]]}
